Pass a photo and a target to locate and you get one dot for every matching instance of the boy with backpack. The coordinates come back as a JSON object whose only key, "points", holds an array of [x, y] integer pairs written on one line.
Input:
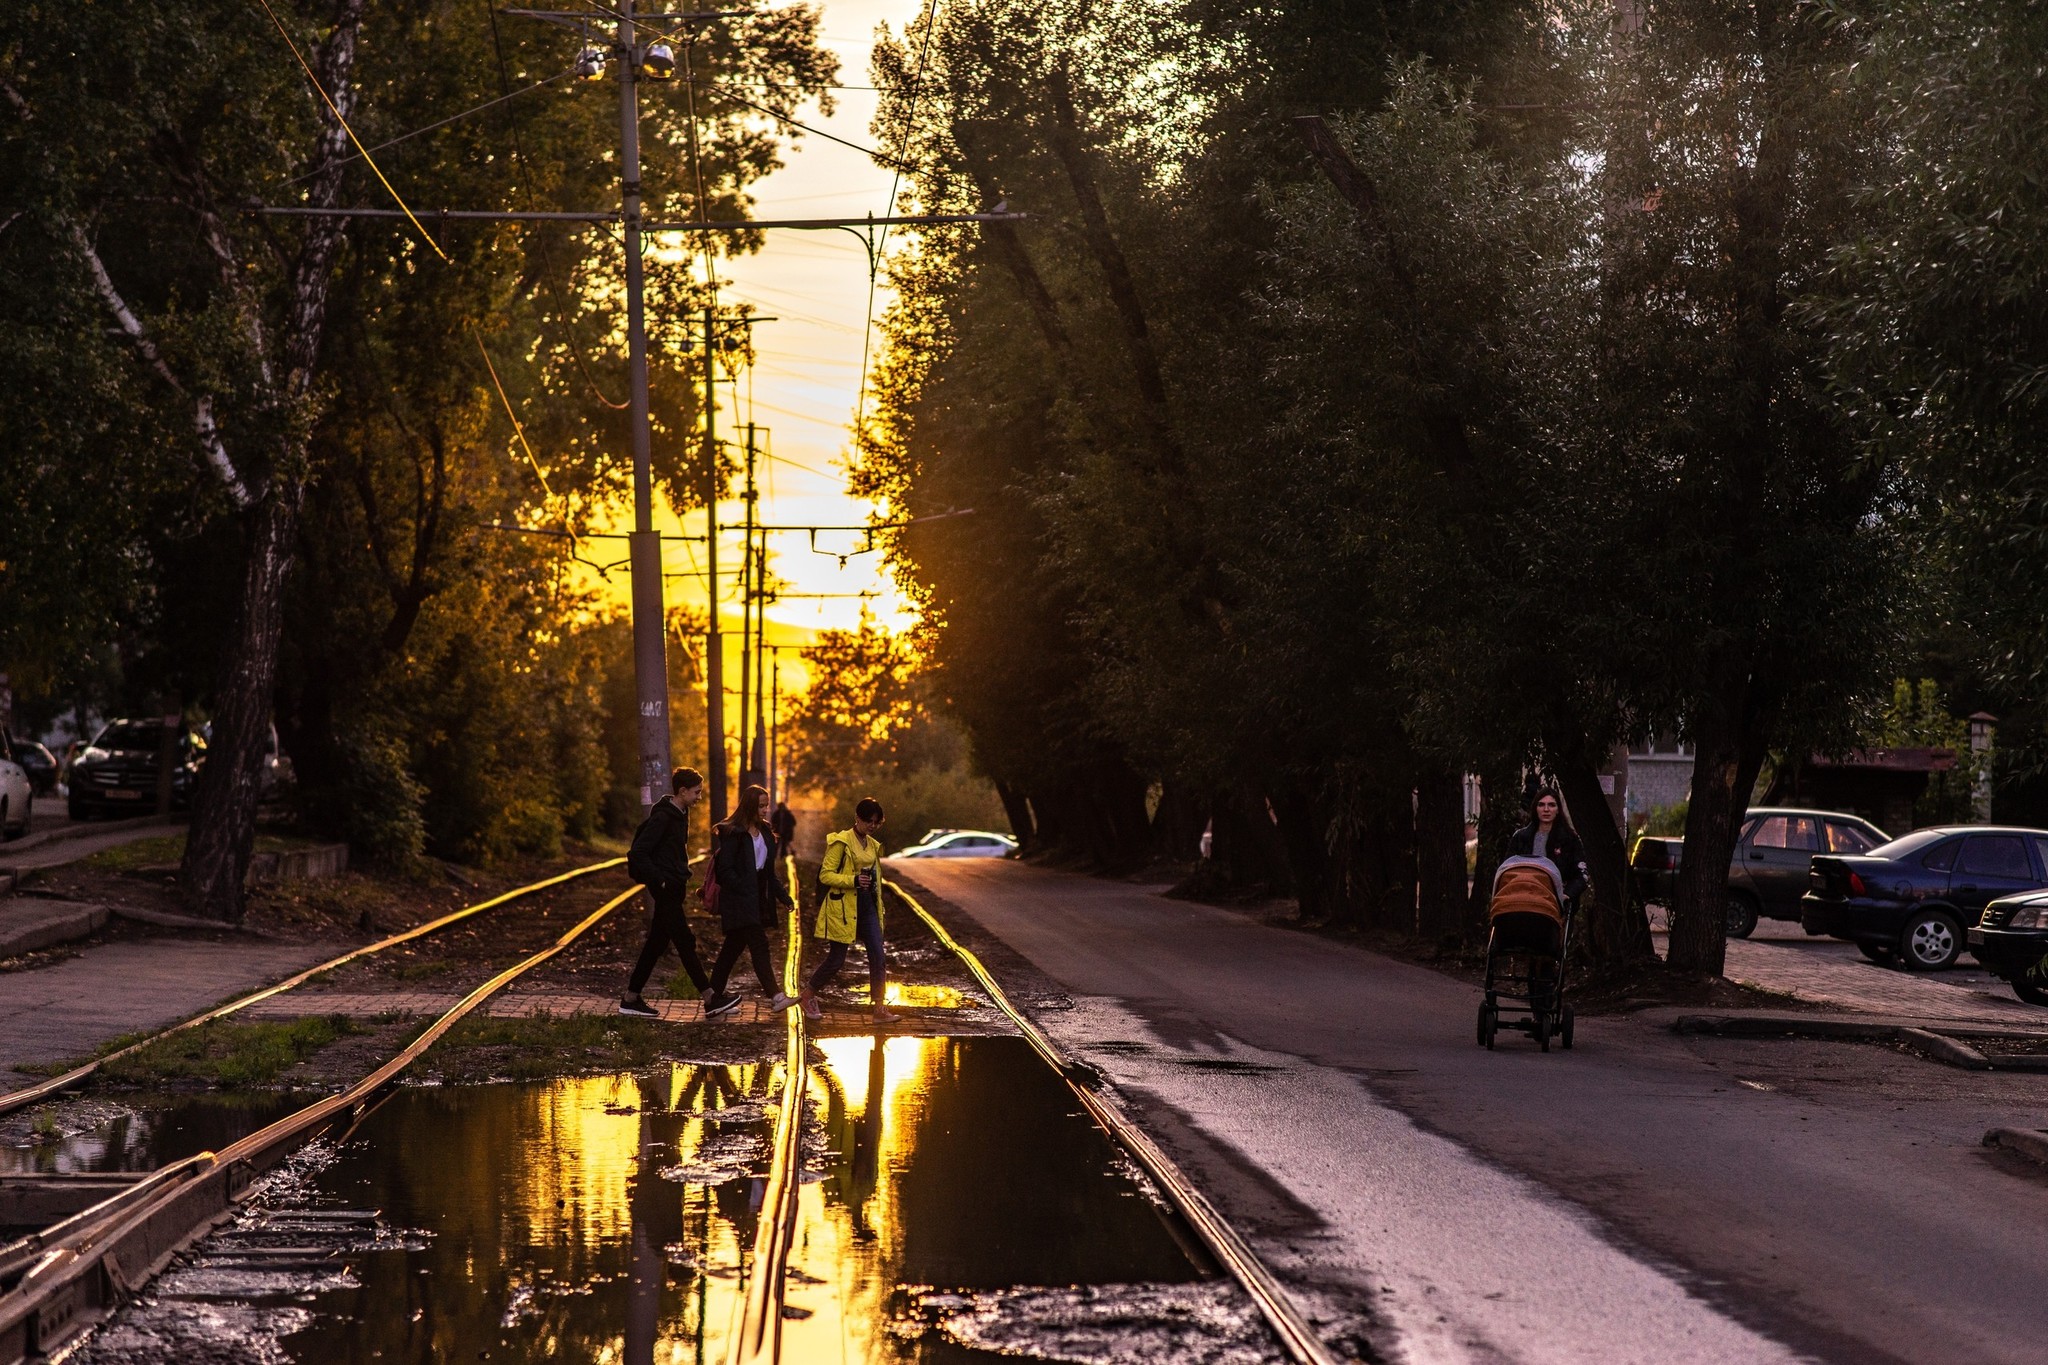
{"points": [[660, 861], [850, 908]]}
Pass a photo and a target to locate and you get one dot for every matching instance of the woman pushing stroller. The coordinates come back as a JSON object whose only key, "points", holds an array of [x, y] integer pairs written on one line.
{"points": [[1534, 901]]}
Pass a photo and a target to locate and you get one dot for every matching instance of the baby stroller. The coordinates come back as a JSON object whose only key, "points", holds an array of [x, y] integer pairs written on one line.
{"points": [[1529, 934]]}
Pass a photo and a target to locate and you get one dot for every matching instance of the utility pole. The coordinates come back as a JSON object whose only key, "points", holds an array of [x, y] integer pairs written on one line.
{"points": [[775, 732], [750, 626], [650, 630], [714, 651]]}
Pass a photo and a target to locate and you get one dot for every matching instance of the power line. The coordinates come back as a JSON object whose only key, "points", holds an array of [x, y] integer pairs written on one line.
{"points": [[443, 123]]}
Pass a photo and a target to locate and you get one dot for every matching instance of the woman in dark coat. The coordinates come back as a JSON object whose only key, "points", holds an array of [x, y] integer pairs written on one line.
{"points": [[743, 862], [1550, 835]]}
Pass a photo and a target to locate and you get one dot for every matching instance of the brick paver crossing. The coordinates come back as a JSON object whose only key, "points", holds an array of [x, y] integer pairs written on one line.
{"points": [[512, 1005]]}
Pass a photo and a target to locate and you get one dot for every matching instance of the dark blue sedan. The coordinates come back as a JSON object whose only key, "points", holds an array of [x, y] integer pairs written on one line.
{"points": [[1908, 901]]}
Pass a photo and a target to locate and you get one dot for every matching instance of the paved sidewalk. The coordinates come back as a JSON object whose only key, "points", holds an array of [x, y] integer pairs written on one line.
{"points": [[1782, 957], [67, 1010], [511, 1005]]}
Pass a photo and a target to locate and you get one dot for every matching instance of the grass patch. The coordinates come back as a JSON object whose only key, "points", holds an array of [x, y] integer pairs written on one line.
{"points": [[231, 1054], [133, 857], [680, 987], [543, 1046]]}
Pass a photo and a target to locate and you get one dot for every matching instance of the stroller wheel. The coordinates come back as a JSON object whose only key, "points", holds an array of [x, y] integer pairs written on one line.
{"points": [[1489, 1023], [1539, 1024], [1564, 1029]]}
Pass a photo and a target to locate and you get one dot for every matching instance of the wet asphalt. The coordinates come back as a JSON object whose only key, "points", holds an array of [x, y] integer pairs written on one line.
{"points": [[1645, 1197]]}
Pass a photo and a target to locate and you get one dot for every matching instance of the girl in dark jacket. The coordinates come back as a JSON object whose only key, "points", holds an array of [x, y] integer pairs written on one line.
{"points": [[743, 862], [1550, 835]]}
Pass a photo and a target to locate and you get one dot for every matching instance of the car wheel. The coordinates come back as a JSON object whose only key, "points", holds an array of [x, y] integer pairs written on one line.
{"points": [[2027, 991], [1741, 916], [1931, 942], [1883, 954]]}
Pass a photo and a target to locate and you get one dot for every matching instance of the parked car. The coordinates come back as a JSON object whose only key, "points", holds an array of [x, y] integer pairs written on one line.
{"points": [[17, 796], [39, 762], [963, 843], [117, 772], [2011, 936], [1767, 871], [1908, 900]]}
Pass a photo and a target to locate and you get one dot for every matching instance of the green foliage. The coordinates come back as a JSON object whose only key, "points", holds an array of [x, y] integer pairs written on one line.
{"points": [[1918, 717], [922, 799], [231, 1054]]}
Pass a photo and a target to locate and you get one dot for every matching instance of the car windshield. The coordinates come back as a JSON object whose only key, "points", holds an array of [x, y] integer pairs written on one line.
{"points": [[1906, 845], [130, 734]]}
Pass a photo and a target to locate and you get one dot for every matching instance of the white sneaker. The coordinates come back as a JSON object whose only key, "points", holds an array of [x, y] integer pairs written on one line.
{"points": [[781, 1002]]}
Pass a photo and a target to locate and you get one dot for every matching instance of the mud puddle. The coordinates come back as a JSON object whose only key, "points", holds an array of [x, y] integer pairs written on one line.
{"points": [[957, 1206]]}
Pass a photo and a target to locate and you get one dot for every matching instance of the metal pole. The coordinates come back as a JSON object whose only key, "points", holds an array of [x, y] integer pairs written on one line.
{"points": [[650, 643], [775, 731], [714, 653], [750, 592]]}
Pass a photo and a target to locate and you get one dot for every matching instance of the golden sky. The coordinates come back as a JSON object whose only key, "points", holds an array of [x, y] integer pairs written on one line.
{"points": [[806, 380]]}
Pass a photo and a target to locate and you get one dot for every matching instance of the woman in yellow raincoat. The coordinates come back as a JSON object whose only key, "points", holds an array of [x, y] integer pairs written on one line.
{"points": [[850, 909]]}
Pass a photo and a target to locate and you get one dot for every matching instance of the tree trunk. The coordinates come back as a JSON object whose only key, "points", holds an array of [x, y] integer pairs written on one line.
{"points": [[1615, 931], [1724, 769], [1439, 853], [1018, 809], [1304, 832], [223, 831], [1500, 812]]}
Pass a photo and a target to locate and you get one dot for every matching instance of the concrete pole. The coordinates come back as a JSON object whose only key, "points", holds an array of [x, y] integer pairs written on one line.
{"points": [[650, 630], [714, 650]]}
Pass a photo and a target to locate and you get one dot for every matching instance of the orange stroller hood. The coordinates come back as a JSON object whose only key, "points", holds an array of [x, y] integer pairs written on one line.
{"points": [[1527, 886]]}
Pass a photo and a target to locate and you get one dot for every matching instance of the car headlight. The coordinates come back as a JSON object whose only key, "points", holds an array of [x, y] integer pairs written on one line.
{"points": [[2032, 918]]}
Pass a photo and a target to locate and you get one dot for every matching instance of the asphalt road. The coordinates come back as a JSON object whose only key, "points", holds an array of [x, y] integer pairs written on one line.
{"points": [[1645, 1197]]}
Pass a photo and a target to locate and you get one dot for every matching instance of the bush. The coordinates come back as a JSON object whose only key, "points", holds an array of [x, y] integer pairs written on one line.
{"points": [[929, 798], [529, 826], [381, 802]]}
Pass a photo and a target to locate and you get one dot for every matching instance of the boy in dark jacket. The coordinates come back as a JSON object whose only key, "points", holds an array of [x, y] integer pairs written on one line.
{"points": [[660, 861]]}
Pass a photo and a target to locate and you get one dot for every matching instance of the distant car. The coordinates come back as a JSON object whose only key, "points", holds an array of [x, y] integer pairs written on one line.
{"points": [[17, 795], [1767, 871], [117, 772], [1909, 900], [2011, 936], [963, 843], [39, 762]]}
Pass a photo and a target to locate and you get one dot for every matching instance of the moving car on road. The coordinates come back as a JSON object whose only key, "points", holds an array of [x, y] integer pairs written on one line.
{"points": [[16, 794], [1907, 901], [1767, 871], [117, 772], [963, 843]]}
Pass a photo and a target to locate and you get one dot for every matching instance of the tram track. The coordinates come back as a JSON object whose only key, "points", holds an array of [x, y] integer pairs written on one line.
{"points": [[1218, 1237], [78, 1075], [57, 1283], [758, 1340]]}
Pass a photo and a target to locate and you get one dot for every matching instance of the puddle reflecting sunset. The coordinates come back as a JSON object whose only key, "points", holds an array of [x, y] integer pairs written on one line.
{"points": [[612, 1219]]}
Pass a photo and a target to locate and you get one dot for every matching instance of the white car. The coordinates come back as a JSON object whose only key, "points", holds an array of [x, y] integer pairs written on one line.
{"points": [[16, 793], [963, 843]]}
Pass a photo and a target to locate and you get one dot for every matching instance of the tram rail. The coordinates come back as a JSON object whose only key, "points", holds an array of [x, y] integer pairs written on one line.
{"points": [[61, 1281], [78, 1075], [1222, 1240]]}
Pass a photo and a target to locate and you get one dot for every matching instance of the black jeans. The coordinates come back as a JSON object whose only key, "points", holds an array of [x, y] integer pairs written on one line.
{"points": [[668, 924], [868, 929], [740, 940]]}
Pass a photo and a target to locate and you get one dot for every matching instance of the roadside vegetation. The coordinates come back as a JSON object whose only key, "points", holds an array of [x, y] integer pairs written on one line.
{"points": [[1577, 374], [228, 1053]]}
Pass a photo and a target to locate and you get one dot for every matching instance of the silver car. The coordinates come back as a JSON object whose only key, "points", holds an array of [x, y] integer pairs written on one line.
{"points": [[963, 843]]}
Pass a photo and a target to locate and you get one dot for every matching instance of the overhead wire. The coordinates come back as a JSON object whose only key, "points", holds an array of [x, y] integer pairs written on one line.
{"points": [[335, 109], [499, 385], [452, 118]]}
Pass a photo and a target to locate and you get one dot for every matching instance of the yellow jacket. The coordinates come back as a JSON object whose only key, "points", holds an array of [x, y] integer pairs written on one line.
{"points": [[847, 855]]}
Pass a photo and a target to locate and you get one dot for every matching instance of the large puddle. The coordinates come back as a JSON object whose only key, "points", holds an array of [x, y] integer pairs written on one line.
{"points": [[958, 1206]]}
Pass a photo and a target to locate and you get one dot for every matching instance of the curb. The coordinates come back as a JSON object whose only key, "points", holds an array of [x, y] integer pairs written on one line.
{"points": [[2026, 1142], [86, 831], [61, 923], [1943, 1045]]}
